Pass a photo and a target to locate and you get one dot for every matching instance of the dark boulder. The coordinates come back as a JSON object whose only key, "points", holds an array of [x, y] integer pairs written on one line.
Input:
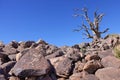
{"points": [[31, 64]]}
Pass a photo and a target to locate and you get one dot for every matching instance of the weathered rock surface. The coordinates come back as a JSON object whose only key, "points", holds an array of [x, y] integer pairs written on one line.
{"points": [[31, 64], [111, 61], [108, 73]]}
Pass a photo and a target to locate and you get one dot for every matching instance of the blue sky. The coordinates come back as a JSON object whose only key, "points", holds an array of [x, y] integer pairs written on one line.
{"points": [[52, 20]]}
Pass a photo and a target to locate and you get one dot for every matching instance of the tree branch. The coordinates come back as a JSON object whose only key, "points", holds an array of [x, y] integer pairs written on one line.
{"points": [[105, 31]]}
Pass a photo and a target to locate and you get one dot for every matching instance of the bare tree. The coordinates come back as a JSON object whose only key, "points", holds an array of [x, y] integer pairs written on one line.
{"points": [[92, 29]]}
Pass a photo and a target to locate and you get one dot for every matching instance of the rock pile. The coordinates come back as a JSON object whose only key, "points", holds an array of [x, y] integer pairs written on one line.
{"points": [[41, 61]]}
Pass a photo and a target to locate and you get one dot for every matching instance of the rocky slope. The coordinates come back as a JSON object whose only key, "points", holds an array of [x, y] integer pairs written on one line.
{"points": [[42, 61]]}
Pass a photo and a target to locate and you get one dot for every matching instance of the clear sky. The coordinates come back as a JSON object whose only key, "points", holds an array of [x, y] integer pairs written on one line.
{"points": [[52, 20]]}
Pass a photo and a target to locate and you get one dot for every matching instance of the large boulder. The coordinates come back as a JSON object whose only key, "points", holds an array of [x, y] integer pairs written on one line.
{"points": [[31, 64], [108, 73], [111, 61]]}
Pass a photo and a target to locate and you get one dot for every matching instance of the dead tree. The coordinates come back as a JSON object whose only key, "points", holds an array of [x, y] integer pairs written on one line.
{"points": [[92, 29]]}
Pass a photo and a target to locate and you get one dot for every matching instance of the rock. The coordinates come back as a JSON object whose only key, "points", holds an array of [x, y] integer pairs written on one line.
{"points": [[14, 44], [14, 78], [78, 76], [58, 53], [92, 66], [41, 42], [55, 61], [90, 77], [111, 61], [105, 46], [28, 44], [108, 73], [12, 57], [8, 49], [78, 67], [74, 54], [6, 67], [64, 68], [76, 46], [47, 77], [3, 58], [2, 77], [105, 53], [19, 55], [92, 57], [51, 49], [61, 79], [31, 64]]}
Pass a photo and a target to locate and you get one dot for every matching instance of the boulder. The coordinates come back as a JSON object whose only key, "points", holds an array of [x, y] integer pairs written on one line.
{"points": [[73, 54], [3, 58], [31, 64], [58, 53], [51, 49], [14, 44], [78, 76], [111, 61], [92, 66], [92, 57], [55, 61], [19, 55], [47, 77], [6, 67], [14, 78], [108, 73], [78, 67], [8, 49], [64, 68], [90, 77], [2, 77], [12, 57], [105, 53]]}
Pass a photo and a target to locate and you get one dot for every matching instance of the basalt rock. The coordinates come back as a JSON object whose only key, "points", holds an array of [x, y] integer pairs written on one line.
{"points": [[31, 64]]}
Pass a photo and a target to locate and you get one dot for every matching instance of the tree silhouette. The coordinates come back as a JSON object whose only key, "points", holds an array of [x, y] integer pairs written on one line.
{"points": [[92, 28]]}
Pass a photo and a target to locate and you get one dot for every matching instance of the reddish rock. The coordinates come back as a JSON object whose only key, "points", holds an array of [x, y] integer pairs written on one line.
{"points": [[92, 66], [78, 67], [108, 73], [92, 57], [111, 61], [31, 64]]}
